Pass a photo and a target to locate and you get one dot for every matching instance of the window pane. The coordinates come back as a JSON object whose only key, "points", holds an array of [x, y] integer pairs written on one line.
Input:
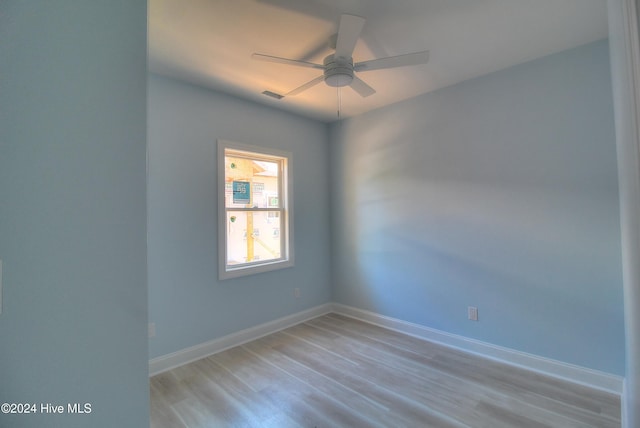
{"points": [[253, 236], [251, 183], [254, 202]]}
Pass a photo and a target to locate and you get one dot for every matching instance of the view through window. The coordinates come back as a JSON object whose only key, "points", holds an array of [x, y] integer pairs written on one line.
{"points": [[256, 214]]}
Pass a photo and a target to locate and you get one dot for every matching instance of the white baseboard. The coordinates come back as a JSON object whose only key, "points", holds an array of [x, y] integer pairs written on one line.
{"points": [[547, 366], [175, 359], [589, 377]]}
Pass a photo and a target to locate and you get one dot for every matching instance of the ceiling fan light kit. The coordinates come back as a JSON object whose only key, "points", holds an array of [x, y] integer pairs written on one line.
{"points": [[339, 69]]}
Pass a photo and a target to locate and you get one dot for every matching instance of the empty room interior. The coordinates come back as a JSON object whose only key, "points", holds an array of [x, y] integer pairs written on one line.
{"points": [[319, 213]]}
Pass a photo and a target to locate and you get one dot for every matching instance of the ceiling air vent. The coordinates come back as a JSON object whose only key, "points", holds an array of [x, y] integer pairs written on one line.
{"points": [[273, 95]]}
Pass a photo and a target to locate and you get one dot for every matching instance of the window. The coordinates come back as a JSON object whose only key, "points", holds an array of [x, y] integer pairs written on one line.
{"points": [[255, 216]]}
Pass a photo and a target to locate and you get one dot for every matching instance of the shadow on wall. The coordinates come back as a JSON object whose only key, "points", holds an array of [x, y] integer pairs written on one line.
{"points": [[458, 198]]}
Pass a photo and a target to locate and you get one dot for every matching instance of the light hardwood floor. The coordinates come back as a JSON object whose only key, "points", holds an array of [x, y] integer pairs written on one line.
{"points": [[334, 371]]}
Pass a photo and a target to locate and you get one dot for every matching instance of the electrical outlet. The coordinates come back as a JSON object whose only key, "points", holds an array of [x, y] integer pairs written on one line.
{"points": [[472, 313], [152, 329], [296, 292]]}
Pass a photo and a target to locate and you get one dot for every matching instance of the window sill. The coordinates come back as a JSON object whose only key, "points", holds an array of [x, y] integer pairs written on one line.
{"points": [[229, 273]]}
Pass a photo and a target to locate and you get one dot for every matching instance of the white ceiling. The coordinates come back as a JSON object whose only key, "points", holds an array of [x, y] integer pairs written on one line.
{"points": [[210, 42]]}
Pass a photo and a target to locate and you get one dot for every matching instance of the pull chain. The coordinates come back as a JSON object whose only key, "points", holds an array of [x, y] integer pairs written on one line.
{"points": [[339, 100]]}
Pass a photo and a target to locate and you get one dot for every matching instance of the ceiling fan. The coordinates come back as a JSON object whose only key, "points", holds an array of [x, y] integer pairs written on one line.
{"points": [[339, 69]]}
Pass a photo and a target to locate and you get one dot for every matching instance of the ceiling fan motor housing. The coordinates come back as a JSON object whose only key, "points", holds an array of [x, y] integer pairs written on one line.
{"points": [[338, 71]]}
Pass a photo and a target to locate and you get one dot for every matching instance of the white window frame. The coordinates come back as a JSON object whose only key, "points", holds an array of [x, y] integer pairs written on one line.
{"points": [[286, 209]]}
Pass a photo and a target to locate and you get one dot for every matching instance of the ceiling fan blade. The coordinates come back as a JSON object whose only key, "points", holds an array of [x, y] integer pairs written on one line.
{"points": [[297, 63], [348, 33], [306, 86], [393, 61], [362, 88]]}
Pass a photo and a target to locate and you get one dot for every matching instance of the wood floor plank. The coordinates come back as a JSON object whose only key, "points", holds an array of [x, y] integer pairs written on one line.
{"points": [[335, 371], [423, 378], [403, 379], [374, 412], [364, 381], [290, 394], [529, 386]]}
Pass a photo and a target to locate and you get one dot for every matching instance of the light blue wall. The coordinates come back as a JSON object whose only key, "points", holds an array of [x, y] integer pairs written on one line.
{"points": [[186, 301], [499, 192], [72, 210]]}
